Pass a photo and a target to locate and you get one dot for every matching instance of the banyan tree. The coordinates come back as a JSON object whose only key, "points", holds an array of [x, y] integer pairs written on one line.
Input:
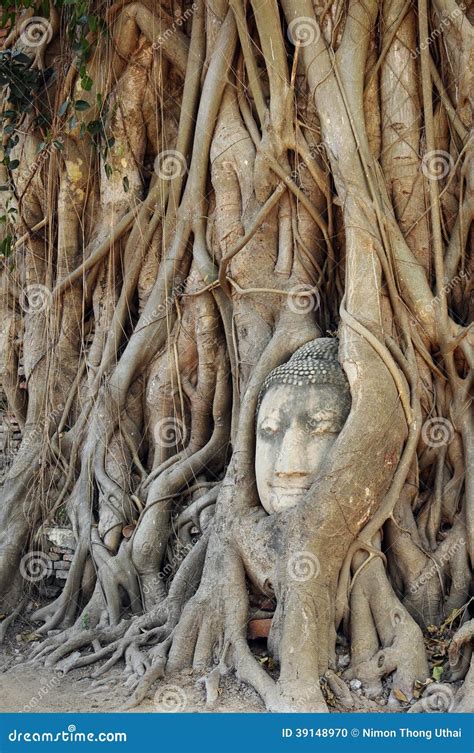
{"points": [[235, 335]]}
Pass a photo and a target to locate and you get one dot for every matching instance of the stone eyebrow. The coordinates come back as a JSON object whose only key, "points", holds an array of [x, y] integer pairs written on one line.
{"points": [[323, 415]]}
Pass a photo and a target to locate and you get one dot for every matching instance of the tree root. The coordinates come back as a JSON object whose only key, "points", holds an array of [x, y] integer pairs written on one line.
{"points": [[379, 619], [442, 697]]}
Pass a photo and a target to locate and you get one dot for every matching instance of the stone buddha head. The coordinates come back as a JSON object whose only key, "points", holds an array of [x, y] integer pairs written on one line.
{"points": [[302, 407]]}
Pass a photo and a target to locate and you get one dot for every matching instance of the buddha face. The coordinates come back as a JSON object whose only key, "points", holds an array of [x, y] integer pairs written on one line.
{"points": [[296, 428]]}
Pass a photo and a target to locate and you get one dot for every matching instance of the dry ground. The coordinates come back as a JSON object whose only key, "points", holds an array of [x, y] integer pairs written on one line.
{"points": [[31, 687]]}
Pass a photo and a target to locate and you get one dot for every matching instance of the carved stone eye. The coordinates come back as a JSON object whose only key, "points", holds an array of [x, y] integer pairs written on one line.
{"points": [[324, 423], [312, 424], [268, 428]]}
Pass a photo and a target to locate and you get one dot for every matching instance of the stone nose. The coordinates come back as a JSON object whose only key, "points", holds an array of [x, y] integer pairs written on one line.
{"points": [[292, 457]]}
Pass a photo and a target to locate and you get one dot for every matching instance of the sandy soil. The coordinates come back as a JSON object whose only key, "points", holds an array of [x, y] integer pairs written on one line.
{"points": [[27, 687], [32, 687]]}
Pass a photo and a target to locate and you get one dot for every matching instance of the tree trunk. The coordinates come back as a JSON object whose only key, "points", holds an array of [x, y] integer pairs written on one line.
{"points": [[188, 199]]}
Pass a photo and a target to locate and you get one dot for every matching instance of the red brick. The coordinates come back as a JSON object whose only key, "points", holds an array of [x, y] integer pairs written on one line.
{"points": [[259, 628]]}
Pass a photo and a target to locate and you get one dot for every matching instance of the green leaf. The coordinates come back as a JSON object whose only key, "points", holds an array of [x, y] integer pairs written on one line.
{"points": [[63, 109], [95, 126], [6, 246], [86, 83], [5, 17], [437, 673], [81, 104], [14, 164], [20, 57]]}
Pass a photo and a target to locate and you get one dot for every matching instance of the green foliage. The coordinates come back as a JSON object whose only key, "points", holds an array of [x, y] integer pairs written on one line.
{"points": [[62, 516], [23, 85], [6, 246], [22, 81], [11, 8], [81, 104], [8, 221]]}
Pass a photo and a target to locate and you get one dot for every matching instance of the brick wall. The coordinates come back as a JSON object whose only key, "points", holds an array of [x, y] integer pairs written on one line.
{"points": [[59, 548], [10, 438]]}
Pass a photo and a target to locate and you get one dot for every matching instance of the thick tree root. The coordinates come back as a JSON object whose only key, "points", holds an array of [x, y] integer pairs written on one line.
{"points": [[379, 619], [439, 697]]}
